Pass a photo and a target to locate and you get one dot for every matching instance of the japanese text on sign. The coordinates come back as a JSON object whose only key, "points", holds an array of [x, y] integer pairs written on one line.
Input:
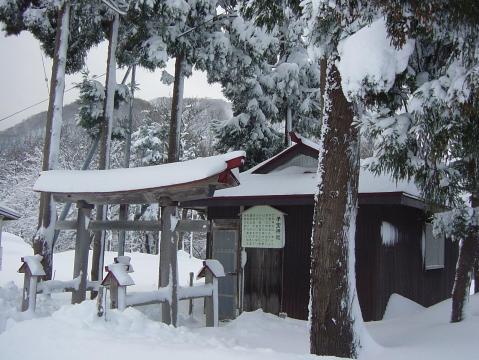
{"points": [[262, 227]]}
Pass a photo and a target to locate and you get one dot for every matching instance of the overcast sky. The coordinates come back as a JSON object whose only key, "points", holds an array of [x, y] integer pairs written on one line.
{"points": [[23, 82]]}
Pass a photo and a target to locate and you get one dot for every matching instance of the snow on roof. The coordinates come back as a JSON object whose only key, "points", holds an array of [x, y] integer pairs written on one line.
{"points": [[148, 177], [214, 266], [34, 263], [120, 272], [8, 213], [298, 139], [295, 181]]}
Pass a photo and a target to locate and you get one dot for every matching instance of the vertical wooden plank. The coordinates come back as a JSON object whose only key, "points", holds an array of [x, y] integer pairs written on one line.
{"points": [[168, 264], [209, 302], [214, 295], [32, 297], [190, 307], [82, 247], [121, 298], [26, 290], [113, 295]]}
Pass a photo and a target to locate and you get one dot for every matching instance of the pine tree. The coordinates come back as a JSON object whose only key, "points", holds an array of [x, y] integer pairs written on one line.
{"points": [[269, 78], [53, 23], [426, 125], [335, 315]]}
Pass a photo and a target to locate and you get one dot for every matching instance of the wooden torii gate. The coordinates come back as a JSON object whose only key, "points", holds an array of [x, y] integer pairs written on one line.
{"points": [[166, 185]]}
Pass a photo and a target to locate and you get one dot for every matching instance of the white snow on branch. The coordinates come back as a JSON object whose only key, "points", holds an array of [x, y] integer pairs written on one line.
{"points": [[369, 61]]}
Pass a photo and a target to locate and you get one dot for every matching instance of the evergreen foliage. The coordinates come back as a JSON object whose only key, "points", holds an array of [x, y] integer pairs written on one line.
{"points": [[91, 110], [40, 17]]}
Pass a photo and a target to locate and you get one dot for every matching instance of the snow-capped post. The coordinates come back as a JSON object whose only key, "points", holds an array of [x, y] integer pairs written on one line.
{"points": [[82, 247], [211, 271], [117, 280], [33, 270], [43, 239], [168, 260]]}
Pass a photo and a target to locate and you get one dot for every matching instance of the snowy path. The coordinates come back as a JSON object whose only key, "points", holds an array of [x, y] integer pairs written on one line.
{"points": [[76, 333]]}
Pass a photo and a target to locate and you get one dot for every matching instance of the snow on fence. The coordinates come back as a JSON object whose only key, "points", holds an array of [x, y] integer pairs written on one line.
{"points": [[33, 269], [118, 279]]}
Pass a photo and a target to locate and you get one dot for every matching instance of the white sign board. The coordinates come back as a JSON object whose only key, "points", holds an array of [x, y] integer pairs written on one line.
{"points": [[262, 227]]}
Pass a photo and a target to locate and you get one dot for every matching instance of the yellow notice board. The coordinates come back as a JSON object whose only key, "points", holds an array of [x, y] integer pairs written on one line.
{"points": [[262, 227]]}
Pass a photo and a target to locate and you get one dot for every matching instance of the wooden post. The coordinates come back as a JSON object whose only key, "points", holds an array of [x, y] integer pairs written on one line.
{"points": [[209, 302], [33, 269], [168, 264], [82, 247], [190, 307], [114, 295], [121, 298], [1, 248], [29, 298]]}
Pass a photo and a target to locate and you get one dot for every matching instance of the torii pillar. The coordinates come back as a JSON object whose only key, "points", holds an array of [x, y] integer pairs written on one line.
{"points": [[168, 275]]}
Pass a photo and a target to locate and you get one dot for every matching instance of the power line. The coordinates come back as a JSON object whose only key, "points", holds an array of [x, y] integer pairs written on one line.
{"points": [[43, 101], [44, 72]]}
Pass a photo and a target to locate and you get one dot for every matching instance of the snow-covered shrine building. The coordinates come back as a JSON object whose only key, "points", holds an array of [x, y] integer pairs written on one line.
{"points": [[261, 233]]}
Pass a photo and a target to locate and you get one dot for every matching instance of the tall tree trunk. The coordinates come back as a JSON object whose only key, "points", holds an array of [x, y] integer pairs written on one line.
{"points": [[126, 161], [105, 141], [465, 264], [333, 304], [43, 239], [176, 110], [288, 127], [476, 271]]}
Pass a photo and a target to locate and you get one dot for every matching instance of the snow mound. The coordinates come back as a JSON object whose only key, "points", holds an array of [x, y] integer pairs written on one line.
{"points": [[399, 306], [14, 248], [368, 58]]}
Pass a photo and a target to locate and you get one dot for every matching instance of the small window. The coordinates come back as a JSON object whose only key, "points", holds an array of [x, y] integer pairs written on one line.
{"points": [[433, 248]]}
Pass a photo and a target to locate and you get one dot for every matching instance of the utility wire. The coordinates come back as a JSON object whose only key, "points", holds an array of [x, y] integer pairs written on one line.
{"points": [[45, 100], [44, 72], [108, 2]]}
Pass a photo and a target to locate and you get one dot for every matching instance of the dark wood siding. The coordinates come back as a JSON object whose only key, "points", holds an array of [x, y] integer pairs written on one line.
{"points": [[297, 258], [279, 282], [383, 270]]}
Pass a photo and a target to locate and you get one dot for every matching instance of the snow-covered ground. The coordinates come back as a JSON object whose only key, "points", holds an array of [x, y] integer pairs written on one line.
{"points": [[63, 331]]}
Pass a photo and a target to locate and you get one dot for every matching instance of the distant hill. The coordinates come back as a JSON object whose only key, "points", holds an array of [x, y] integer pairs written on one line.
{"points": [[34, 126]]}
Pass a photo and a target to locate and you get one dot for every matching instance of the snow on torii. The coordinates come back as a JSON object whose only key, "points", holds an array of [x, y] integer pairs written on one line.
{"points": [[178, 181], [165, 184]]}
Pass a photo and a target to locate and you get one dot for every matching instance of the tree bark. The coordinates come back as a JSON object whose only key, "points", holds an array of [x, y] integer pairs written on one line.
{"points": [[476, 271], [333, 305], [465, 265], [43, 239], [176, 110], [105, 140]]}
